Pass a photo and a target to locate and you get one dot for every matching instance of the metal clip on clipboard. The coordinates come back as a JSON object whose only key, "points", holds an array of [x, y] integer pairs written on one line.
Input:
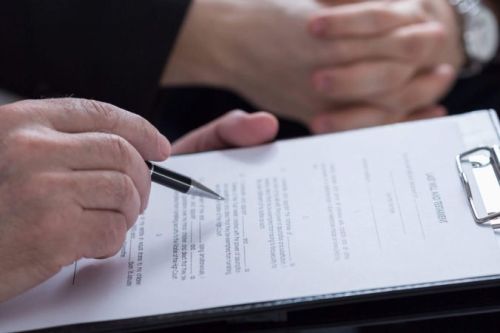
{"points": [[482, 166]]}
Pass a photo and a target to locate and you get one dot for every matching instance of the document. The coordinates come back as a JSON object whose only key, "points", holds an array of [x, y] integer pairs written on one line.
{"points": [[351, 213]]}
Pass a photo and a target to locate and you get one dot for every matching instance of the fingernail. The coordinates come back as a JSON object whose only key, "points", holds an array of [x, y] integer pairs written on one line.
{"points": [[318, 27]]}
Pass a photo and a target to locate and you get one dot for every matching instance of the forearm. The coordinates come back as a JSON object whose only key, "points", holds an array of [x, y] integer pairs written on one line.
{"points": [[257, 49], [203, 52]]}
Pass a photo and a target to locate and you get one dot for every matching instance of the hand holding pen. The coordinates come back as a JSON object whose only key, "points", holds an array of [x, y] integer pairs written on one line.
{"points": [[74, 180]]}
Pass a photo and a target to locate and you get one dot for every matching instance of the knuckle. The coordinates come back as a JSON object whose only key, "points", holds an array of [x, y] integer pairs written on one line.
{"points": [[341, 51], [142, 123], [440, 35], [104, 115], [23, 140], [120, 149], [21, 148], [23, 144], [65, 102], [367, 80], [393, 102], [336, 49], [380, 17], [334, 22], [146, 131], [124, 189], [413, 46], [424, 8], [394, 76], [419, 10], [9, 109], [401, 102], [340, 78], [420, 13], [356, 79], [114, 234]]}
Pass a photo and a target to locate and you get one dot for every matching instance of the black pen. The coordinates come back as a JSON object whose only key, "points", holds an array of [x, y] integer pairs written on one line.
{"points": [[179, 182]]}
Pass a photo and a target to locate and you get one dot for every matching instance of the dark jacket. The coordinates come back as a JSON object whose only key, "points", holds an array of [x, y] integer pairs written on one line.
{"points": [[110, 50]]}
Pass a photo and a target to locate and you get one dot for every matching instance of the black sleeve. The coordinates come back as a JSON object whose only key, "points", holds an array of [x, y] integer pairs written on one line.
{"points": [[110, 50]]}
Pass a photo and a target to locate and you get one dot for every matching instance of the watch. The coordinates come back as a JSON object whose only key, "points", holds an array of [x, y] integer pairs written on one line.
{"points": [[480, 34]]}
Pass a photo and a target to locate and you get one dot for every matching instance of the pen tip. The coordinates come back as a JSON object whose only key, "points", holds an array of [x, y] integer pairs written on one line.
{"points": [[203, 191]]}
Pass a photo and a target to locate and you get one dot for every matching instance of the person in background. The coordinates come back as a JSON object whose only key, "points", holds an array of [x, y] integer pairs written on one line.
{"points": [[273, 53], [370, 63]]}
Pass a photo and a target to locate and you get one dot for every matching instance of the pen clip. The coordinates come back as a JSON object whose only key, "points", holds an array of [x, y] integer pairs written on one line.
{"points": [[482, 164]]}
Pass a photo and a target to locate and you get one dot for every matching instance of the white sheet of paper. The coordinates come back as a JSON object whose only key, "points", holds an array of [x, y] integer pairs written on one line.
{"points": [[355, 212]]}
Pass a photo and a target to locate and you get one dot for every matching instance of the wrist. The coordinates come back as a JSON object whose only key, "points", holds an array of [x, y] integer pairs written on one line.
{"points": [[203, 52], [479, 31]]}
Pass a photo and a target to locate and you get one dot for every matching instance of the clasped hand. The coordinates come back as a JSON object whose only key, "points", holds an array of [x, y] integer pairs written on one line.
{"points": [[330, 64], [388, 61]]}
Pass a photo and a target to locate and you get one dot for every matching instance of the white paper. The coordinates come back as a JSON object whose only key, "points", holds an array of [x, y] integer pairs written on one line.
{"points": [[351, 212]]}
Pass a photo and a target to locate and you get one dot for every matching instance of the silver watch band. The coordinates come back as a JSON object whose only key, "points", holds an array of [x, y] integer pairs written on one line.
{"points": [[466, 6], [469, 11]]}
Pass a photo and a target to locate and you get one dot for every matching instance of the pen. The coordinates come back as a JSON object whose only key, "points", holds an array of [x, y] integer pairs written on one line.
{"points": [[179, 182]]}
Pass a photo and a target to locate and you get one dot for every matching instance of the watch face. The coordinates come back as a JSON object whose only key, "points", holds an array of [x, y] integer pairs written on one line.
{"points": [[481, 35]]}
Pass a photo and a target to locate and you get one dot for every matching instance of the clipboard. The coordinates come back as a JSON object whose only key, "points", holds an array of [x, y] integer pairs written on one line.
{"points": [[430, 302], [477, 167], [353, 308]]}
